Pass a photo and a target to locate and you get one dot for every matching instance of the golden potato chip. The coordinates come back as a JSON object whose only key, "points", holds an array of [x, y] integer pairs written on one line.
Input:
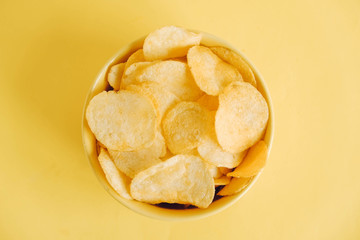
{"points": [[224, 170], [181, 179], [137, 56], [134, 162], [185, 126], [224, 180], [175, 76], [131, 73], [160, 97], [210, 150], [237, 61], [115, 75], [254, 161], [118, 181], [123, 121], [236, 185], [209, 102], [241, 118], [211, 73], [169, 42]]}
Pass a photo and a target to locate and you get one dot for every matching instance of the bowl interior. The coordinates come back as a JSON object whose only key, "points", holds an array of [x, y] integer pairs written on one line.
{"points": [[89, 141]]}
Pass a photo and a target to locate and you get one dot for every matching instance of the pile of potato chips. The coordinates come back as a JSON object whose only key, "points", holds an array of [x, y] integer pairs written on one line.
{"points": [[182, 123]]}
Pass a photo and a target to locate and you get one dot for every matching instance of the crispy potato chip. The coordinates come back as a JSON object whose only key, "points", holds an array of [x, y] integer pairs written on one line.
{"points": [[254, 161], [131, 73], [115, 75], [244, 105], [211, 73], [160, 97], [237, 61], [224, 180], [181, 179], [224, 170], [210, 150], [134, 162], [236, 185], [185, 126], [118, 181], [175, 76], [169, 42], [137, 56], [209, 102], [123, 121]]}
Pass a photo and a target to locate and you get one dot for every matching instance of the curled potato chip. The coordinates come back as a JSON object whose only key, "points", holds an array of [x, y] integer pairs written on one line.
{"points": [[211, 73], [131, 72], [210, 150], [175, 76], [169, 42], [134, 162], [253, 162], [123, 121], [236, 185], [160, 97], [244, 105], [237, 61], [181, 179], [137, 56], [224, 180], [115, 75], [209, 102], [185, 126], [118, 181]]}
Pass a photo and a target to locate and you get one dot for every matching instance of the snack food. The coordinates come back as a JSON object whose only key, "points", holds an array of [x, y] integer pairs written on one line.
{"points": [[180, 179], [169, 42], [243, 104], [114, 122], [185, 126], [211, 73], [170, 125]]}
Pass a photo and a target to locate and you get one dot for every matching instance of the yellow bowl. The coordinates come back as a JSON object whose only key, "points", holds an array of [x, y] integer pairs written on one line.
{"points": [[149, 210]]}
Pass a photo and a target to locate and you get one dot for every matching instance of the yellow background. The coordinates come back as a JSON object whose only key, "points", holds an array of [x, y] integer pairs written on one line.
{"points": [[308, 52]]}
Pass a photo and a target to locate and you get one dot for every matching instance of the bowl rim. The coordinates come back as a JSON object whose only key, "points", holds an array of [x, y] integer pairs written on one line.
{"points": [[143, 208]]}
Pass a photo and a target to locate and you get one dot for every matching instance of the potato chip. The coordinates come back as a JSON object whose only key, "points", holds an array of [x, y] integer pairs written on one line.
{"points": [[131, 72], [185, 126], [236, 185], [244, 105], [224, 180], [254, 161], [237, 61], [209, 102], [210, 150], [169, 42], [123, 121], [160, 97], [181, 179], [137, 56], [134, 162], [211, 73], [175, 76], [118, 181], [115, 75]]}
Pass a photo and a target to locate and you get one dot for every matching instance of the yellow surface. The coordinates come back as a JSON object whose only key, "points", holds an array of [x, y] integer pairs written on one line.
{"points": [[307, 51]]}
